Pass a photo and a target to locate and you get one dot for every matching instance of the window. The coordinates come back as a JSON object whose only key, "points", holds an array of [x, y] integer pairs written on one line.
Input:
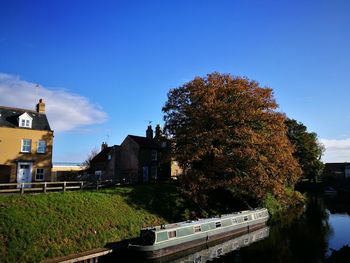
{"points": [[26, 145], [172, 234], [246, 218], [154, 155], [25, 120], [154, 172], [197, 229], [39, 176], [41, 147], [109, 157], [218, 224]]}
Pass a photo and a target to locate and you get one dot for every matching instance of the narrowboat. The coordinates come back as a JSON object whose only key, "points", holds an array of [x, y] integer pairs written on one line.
{"points": [[164, 240]]}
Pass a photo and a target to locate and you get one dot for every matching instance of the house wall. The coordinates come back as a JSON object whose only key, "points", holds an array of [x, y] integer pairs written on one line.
{"points": [[129, 163], [176, 170], [10, 152], [145, 157]]}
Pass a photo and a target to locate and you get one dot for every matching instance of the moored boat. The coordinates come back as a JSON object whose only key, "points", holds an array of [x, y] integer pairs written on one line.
{"points": [[167, 239]]}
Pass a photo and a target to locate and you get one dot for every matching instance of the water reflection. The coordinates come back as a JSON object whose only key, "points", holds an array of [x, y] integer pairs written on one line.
{"points": [[301, 235], [221, 249]]}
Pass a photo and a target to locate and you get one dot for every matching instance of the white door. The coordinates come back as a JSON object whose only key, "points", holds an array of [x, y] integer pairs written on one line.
{"points": [[24, 173]]}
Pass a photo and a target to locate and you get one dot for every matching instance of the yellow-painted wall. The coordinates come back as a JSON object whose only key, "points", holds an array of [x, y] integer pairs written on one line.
{"points": [[10, 150], [176, 170]]}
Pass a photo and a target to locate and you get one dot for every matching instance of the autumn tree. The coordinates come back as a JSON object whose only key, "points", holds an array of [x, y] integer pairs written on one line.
{"points": [[308, 150], [226, 132]]}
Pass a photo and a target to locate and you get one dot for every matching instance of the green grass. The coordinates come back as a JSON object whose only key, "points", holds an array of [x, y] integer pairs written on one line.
{"points": [[36, 227]]}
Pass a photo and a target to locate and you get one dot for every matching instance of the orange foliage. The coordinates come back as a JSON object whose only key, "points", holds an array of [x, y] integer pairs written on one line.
{"points": [[227, 132]]}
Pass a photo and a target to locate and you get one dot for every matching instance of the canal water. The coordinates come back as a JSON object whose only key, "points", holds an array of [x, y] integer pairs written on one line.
{"points": [[313, 233]]}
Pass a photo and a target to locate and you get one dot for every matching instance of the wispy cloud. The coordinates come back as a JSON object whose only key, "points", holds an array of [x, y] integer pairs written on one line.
{"points": [[66, 111], [336, 150]]}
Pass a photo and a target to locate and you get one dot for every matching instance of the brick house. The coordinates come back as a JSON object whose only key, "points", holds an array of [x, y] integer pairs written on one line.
{"points": [[138, 159]]}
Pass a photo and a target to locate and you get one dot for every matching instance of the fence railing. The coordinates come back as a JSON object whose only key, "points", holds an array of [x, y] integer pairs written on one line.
{"points": [[41, 187]]}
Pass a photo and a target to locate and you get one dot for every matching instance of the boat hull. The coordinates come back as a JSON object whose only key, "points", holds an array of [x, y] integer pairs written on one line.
{"points": [[158, 251]]}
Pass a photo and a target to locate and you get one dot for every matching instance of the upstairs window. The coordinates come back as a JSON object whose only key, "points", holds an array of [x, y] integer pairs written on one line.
{"points": [[25, 120], [26, 146], [41, 147], [154, 155]]}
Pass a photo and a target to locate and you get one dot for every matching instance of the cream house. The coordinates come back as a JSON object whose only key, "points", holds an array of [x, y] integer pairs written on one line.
{"points": [[26, 141]]}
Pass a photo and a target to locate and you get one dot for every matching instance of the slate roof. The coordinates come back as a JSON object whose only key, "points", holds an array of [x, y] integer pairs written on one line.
{"points": [[9, 118], [334, 169], [144, 142], [102, 156]]}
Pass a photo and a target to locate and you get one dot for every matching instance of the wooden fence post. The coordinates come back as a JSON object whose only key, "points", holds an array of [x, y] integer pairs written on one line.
{"points": [[64, 186], [45, 186], [22, 188], [81, 185]]}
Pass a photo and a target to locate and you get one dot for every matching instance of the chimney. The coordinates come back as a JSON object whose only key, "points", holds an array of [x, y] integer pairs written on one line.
{"points": [[158, 132], [149, 132], [104, 145], [40, 107]]}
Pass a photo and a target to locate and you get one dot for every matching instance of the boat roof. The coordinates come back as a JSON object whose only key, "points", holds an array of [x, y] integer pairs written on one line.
{"points": [[204, 220]]}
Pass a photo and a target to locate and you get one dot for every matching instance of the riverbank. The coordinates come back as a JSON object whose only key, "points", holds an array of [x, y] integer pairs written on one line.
{"points": [[42, 226], [37, 227]]}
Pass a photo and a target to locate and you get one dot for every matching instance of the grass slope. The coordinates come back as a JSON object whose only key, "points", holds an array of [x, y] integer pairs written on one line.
{"points": [[35, 227]]}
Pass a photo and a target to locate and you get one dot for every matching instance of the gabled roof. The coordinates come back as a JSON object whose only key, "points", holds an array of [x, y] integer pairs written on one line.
{"points": [[102, 156], [144, 142], [334, 168], [9, 118]]}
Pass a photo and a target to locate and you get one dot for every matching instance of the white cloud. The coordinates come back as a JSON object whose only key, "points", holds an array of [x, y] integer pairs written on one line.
{"points": [[336, 150], [66, 111]]}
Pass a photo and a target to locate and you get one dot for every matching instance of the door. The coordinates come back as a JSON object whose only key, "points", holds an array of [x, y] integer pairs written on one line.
{"points": [[24, 174], [145, 174]]}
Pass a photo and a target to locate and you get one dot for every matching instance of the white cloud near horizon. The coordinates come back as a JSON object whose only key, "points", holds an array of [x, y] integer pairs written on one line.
{"points": [[65, 111], [336, 150]]}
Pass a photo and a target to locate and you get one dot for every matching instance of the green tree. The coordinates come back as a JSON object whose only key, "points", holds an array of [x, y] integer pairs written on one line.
{"points": [[227, 133], [308, 150]]}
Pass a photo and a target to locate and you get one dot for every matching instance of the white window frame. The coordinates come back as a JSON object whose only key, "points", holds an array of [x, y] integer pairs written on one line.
{"points": [[22, 146], [39, 149], [25, 120], [154, 155], [42, 174]]}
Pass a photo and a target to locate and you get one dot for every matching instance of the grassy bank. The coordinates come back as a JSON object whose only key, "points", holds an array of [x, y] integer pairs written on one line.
{"points": [[35, 227]]}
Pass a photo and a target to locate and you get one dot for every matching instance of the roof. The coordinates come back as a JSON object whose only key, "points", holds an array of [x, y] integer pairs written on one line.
{"points": [[102, 156], [334, 168], [9, 118], [144, 142]]}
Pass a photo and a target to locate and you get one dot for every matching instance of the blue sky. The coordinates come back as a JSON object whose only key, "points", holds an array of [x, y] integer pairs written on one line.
{"points": [[104, 67]]}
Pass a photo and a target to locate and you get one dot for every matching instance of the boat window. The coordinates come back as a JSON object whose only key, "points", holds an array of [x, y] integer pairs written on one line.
{"points": [[197, 229], [218, 224], [246, 218], [234, 220], [171, 234]]}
